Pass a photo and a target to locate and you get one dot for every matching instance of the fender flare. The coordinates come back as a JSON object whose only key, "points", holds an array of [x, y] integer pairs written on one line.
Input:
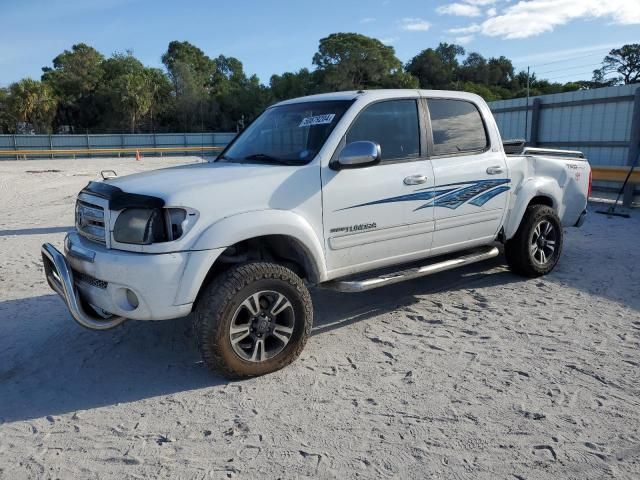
{"points": [[244, 226], [537, 187]]}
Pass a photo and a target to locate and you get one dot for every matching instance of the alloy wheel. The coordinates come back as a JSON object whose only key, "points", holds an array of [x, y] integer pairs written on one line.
{"points": [[262, 326], [543, 242]]}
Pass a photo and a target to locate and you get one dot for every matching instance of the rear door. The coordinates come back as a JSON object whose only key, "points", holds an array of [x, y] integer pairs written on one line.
{"points": [[372, 215], [471, 178]]}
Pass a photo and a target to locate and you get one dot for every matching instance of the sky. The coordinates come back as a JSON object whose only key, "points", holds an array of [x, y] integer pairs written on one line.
{"points": [[561, 40]]}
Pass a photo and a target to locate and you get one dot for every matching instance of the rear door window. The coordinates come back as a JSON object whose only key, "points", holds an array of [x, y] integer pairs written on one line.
{"points": [[457, 127]]}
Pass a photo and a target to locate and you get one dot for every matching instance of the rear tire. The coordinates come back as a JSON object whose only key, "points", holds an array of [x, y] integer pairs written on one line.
{"points": [[253, 319], [536, 247]]}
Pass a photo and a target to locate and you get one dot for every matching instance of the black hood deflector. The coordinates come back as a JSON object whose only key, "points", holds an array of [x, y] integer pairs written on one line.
{"points": [[119, 200]]}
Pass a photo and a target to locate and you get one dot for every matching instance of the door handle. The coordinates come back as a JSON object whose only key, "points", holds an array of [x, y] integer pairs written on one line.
{"points": [[495, 170], [415, 180]]}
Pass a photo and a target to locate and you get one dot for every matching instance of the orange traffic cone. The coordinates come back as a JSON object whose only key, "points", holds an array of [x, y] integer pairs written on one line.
{"points": [[138, 157]]}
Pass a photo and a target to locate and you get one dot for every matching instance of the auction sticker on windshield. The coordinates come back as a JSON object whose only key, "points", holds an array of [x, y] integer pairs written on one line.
{"points": [[317, 120]]}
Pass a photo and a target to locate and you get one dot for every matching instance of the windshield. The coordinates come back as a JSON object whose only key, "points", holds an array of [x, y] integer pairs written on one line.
{"points": [[288, 134]]}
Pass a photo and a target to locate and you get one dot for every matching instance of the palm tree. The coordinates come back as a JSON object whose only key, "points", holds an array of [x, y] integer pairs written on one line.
{"points": [[33, 102]]}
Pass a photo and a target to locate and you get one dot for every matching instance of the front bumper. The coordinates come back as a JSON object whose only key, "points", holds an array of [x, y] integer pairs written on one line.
{"points": [[125, 285], [60, 278]]}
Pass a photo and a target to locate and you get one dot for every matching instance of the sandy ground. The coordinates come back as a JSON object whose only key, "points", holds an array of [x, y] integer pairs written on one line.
{"points": [[475, 373]]}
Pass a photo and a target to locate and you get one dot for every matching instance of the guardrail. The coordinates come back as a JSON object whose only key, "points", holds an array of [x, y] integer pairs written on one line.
{"points": [[24, 153], [614, 174], [600, 173]]}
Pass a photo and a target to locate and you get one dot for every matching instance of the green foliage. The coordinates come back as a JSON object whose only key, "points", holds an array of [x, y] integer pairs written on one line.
{"points": [[191, 73], [624, 61], [75, 73], [84, 91], [350, 61], [32, 102], [188, 67], [485, 91], [74, 78], [7, 122], [500, 72], [126, 90], [474, 69], [439, 68], [291, 85], [161, 99], [436, 68]]}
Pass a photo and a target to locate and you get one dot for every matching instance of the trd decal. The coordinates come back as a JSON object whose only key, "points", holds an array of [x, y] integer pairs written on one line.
{"points": [[449, 196]]}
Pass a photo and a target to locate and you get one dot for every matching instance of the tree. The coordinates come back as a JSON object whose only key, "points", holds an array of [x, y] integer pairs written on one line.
{"points": [[7, 122], [599, 80], [198, 92], [33, 102], [74, 78], [188, 66], [350, 61], [161, 99], [132, 96], [474, 69], [500, 71], [449, 53], [238, 98], [436, 68], [484, 91], [291, 85], [625, 61], [128, 88], [191, 73], [227, 70], [75, 72]]}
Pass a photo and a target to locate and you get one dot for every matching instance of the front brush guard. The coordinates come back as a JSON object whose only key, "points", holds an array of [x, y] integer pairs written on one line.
{"points": [[60, 278]]}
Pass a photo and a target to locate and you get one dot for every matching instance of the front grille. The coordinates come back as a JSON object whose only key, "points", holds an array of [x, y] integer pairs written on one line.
{"points": [[90, 221], [88, 279]]}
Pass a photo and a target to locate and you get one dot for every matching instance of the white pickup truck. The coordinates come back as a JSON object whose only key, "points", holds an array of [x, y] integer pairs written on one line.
{"points": [[348, 190]]}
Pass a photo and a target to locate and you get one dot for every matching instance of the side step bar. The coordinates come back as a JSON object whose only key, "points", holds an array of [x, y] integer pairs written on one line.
{"points": [[362, 285]]}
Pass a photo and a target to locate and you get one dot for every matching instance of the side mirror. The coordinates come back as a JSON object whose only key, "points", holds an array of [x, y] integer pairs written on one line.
{"points": [[359, 154]]}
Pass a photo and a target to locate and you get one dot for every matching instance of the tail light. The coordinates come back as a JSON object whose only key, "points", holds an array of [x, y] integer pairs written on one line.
{"points": [[590, 182]]}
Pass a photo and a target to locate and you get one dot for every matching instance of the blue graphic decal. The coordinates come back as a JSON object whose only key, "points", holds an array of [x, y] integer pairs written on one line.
{"points": [[410, 197], [475, 193], [480, 200], [454, 199]]}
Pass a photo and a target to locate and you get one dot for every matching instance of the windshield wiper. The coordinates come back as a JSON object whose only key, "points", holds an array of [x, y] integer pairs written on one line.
{"points": [[224, 158], [263, 157]]}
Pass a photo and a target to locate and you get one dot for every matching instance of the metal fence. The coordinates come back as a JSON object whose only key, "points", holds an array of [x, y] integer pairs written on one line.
{"points": [[604, 123], [91, 144]]}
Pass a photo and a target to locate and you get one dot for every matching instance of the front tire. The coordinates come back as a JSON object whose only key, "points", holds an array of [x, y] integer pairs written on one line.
{"points": [[253, 319], [535, 248]]}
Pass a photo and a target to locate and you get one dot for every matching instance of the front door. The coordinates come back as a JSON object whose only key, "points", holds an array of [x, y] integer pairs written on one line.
{"points": [[471, 179], [373, 216]]}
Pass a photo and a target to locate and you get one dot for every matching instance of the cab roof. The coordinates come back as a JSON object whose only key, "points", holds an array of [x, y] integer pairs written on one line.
{"points": [[381, 95]]}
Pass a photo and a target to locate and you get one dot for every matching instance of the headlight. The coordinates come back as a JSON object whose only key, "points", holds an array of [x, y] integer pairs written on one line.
{"points": [[141, 226], [144, 226]]}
